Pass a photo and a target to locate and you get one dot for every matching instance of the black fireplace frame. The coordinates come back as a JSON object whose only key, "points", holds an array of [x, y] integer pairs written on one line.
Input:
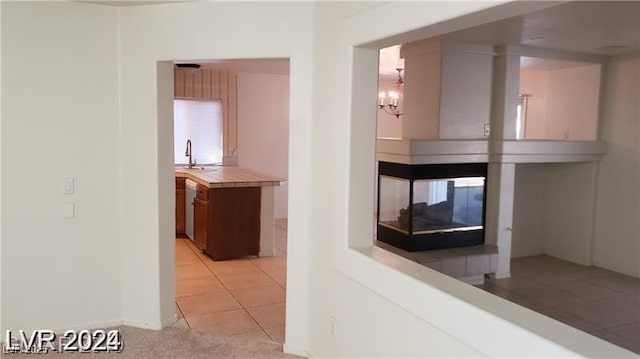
{"points": [[440, 239]]}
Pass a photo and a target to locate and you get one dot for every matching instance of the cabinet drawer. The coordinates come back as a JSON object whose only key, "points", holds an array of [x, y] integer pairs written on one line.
{"points": [[180, 182], [203, 193]]}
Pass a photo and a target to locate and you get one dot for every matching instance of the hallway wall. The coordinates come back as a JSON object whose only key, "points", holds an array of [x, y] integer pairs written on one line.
{"points": [[617, 234], [60, 119], [263, 128]]}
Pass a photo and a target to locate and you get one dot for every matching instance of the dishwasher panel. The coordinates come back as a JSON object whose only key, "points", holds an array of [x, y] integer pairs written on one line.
{"points": [[190, 195]]}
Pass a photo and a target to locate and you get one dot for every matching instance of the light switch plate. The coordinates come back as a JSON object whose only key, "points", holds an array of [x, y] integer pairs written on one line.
{"points": [[68, 186], [487, 129], [69, 210]]}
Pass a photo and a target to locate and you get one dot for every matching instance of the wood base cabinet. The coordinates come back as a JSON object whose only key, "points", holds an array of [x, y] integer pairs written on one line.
{"points": [[227, 221]]}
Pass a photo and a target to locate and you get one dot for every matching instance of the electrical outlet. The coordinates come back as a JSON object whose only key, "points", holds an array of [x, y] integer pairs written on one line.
{"points": [[487, 129]]}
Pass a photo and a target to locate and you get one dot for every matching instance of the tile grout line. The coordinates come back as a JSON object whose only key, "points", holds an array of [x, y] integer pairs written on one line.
{"points": [[234, 297], [267, 274], [244, 308], [585, 279]]}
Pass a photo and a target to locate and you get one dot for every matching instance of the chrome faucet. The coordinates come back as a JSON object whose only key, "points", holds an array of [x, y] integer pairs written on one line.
{"points": [[188, 153]]}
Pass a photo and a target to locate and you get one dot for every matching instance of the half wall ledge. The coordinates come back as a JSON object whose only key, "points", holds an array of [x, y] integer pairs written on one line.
{"points": [[495, 151]]}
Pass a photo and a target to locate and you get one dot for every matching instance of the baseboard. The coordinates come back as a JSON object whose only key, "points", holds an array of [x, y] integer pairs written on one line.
{"points": [[296, 351], [143, 325], [499, 275], [614, 269], [473, 279], [90, 326], [170, 322]]}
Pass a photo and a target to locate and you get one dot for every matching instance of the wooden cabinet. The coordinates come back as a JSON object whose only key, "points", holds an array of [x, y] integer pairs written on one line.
{"points": [[180, 206], [235, 215], [227, 221]]}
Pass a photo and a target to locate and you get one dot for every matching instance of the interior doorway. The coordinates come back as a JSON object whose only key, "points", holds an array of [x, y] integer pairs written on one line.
{"points": [[242, 296]]}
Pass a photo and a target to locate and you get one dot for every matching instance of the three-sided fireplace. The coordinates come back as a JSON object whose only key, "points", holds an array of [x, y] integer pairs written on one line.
{"points": [[435, 206]]}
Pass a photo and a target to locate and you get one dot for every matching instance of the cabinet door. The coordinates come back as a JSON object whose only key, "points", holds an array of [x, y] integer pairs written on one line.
{"points": [[235, 222], [180, 211], [200, 216]]}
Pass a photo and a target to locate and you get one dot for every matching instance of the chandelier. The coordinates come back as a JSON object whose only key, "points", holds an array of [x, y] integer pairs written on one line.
{"points": [[391, 107]]}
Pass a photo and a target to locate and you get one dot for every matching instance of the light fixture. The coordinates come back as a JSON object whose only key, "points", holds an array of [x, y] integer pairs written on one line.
{"points": [[391, 107], [189, 68]]}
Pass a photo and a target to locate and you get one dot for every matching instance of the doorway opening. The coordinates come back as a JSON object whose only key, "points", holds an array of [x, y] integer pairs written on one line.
{"points": [[538, 251], [231, 197]]}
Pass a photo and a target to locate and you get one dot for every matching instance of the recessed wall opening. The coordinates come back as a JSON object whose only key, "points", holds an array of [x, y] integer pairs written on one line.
{"points": [[558, 99], [529, 110]]}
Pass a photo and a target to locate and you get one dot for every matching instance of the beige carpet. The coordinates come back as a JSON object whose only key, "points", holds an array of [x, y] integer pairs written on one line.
{"points": [[178, 343]]}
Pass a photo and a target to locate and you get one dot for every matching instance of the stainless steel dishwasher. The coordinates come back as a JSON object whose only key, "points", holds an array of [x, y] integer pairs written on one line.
{"points": [[190, 194]]}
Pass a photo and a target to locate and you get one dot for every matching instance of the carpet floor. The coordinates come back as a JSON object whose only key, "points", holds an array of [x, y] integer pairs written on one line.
{"points": [[178, 343]]}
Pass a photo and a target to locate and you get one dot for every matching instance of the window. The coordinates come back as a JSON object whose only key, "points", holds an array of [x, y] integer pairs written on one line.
{"points": [[200, 122]]}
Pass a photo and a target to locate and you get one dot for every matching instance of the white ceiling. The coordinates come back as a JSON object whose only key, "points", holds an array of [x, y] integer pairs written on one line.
{"points": [[389, 57], [589, 27], [537, 63], [578, 26]]}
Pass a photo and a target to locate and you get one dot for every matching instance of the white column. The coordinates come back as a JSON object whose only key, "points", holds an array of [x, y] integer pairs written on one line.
{"points": [[499, 219], [506, 87], [501, 176]]}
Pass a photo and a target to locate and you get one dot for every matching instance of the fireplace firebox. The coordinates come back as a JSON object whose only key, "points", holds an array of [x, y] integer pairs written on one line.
{"points": [[434, 206]]}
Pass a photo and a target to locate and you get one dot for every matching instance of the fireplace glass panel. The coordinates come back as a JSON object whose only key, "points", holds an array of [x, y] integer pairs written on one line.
{"points": [[394, 199], [448, 204]]}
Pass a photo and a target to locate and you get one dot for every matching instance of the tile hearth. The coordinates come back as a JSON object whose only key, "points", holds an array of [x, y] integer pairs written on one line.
{"points": [[468, 264]]}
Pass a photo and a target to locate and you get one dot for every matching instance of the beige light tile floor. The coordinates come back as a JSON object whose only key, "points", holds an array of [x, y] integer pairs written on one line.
{"points": [[603, 303], [244, 298]]}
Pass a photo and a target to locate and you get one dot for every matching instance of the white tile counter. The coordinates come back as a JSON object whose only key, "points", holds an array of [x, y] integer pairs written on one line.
{"points": [[228, 176]]}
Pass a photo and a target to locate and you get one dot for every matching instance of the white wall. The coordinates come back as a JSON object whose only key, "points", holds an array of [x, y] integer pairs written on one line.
{"points": [[331, 177], [263, 128], [570, 209], [465, 97], [401, 335], [422, 74], [60, 119], [204, 30], [553, 211], [362, 306], [563, 103], [529, 212], [535, 83], [572, 103], [617, 234]]}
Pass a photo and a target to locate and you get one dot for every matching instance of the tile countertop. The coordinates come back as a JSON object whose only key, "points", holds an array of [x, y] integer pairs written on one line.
{"points": [[228, 176]]}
